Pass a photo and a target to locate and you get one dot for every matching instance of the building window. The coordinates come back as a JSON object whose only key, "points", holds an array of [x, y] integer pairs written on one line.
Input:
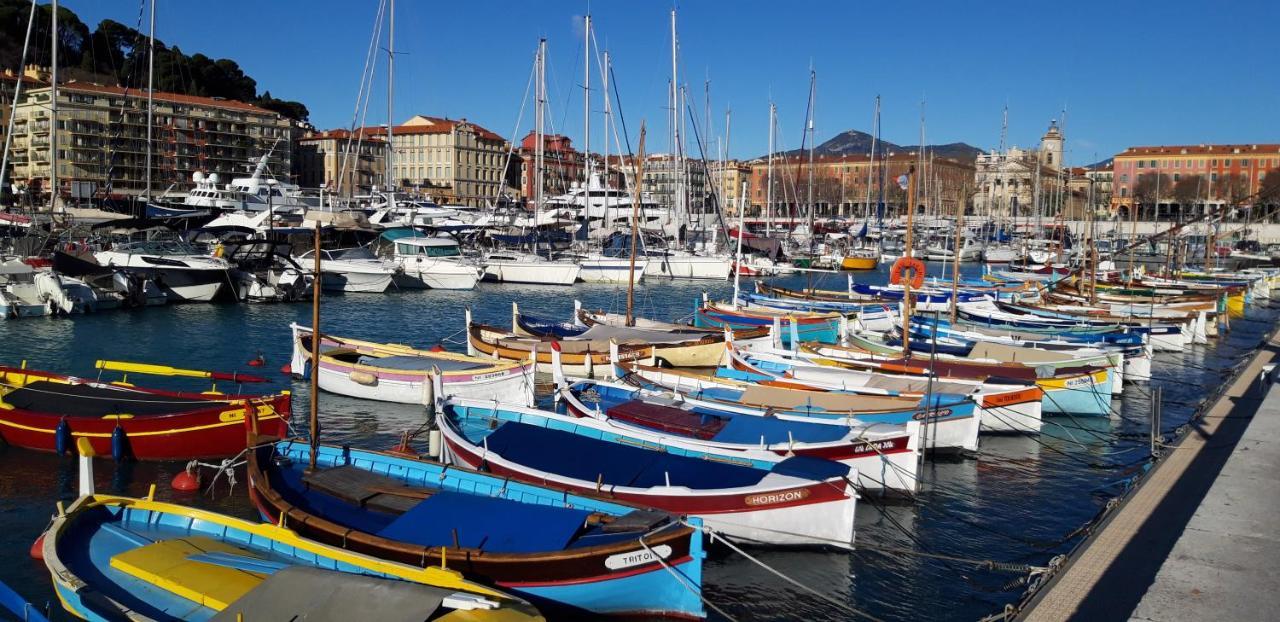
{"points": [[1124, 179], [1175, 176], [1244, 163], [1213, 177], [1213, 162], [1141, 164]]}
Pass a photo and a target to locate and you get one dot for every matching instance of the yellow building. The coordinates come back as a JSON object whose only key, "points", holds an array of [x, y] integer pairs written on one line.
{"points": [[727, 179], [461, 160], [341, 161]]}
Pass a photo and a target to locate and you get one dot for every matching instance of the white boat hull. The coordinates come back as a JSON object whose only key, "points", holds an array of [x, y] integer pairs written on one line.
{"points": [[532, 272], [610, 270], [830, 523], [437, 275], [691, 267], [356, 282]]}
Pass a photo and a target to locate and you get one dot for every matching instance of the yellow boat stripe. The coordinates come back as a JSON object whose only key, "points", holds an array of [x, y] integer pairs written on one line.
{"points": [[133, 434]]}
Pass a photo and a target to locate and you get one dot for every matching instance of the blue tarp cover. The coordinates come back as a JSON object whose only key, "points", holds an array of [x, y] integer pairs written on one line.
{"points": [[488, 523], [749, 429]]}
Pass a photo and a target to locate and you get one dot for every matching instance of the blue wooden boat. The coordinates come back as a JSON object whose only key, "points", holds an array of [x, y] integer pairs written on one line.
{"points": [[117, 558], [820, 327], [797, 501], [15, 604], [566, 552]]}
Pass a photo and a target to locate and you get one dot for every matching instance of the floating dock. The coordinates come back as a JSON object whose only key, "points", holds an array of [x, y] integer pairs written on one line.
{"points": [[1199, 537]]}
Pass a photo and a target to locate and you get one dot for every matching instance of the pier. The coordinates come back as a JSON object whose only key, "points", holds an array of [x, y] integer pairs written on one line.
{"points": [[1198, 538]]}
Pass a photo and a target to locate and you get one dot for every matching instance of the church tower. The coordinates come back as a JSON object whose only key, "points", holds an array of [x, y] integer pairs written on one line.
{"points": [[1051, 146]]}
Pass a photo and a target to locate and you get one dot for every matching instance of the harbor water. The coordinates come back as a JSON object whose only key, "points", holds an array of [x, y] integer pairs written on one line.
{"points": [[1019, 502]]}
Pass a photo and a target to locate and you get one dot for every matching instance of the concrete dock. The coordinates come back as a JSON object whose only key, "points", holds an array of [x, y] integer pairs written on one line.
{"points": [[1199, 538]]}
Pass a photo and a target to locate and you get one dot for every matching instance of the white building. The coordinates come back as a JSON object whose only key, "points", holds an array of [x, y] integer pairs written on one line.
{"points": [[1006, 182]]}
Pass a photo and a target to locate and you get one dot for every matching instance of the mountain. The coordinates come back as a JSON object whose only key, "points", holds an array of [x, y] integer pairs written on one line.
{"points": [[854, 142]]}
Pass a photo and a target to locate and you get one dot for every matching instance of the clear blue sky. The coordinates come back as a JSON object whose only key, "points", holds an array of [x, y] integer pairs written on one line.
{"points": [[1127, 72]]}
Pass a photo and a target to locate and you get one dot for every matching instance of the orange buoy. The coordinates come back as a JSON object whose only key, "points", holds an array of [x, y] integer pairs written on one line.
{"points": [[287, 369], [916, 276], [37, 548], [437, 348], [185, 482], [258, 362]]}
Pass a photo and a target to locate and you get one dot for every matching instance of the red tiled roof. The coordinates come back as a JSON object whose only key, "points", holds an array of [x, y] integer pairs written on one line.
{"points": [[175, 98], [1199, 149], [362, 133]]}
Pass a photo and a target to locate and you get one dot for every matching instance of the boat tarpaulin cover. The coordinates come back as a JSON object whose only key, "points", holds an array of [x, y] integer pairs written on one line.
{"points": [[488, 523]]}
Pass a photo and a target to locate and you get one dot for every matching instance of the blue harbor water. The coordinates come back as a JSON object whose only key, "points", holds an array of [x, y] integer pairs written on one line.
{"points": [[1021, 501]]}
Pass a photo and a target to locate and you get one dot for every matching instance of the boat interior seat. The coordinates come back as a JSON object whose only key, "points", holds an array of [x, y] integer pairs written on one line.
{"points": [[173, 566], [366, 489]]}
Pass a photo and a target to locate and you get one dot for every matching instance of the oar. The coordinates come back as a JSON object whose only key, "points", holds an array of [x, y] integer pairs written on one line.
{"points": [[165, 370]]}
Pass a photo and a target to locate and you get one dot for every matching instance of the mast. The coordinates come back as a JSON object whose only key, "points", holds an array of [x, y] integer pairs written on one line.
{"points": [[586, 130], [313, 399], [813, 85], [955, 256], [871, 163], [391, 77], [768, 201], [586, 98], [635, 229], [906, 254], [17, 96], [604, 78], [676, 170], [53, 115], [539, 135], [151, 76], [737, 257]]}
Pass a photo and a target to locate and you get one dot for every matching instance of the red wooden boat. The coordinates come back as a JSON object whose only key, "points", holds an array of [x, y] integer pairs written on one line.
{"points": [[49, 412]]}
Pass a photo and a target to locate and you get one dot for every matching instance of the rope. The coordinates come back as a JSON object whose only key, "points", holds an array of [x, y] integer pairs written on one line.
{"points": [[713, 535], [684, 583]]}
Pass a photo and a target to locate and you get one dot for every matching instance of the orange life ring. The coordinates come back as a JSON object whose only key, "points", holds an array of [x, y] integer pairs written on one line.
{"points": [[907, 263]]}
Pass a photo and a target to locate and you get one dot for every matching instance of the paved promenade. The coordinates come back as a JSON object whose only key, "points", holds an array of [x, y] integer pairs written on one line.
{"points": [[1200, 537]]}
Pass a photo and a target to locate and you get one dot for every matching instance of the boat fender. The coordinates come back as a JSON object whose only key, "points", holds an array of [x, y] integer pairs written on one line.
{"points": [[62, 437], [363, 377], [186, 481], [119, 444], [37, 548]]}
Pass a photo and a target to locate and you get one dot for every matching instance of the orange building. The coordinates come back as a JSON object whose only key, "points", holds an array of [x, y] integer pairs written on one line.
{"points": [[1221, 174]]}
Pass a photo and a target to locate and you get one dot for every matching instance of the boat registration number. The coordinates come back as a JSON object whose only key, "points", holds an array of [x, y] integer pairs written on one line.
{"points": [[637, 558]]}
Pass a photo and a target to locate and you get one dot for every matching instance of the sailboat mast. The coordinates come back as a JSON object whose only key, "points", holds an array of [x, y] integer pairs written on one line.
{"points": [[871, 163], [151, 76], [53, 114], [313, 398], [391, 73], [768, 201], [586, 128], [604, 91], [813, 85], [635, 229], [17, 96], [539, 136]]}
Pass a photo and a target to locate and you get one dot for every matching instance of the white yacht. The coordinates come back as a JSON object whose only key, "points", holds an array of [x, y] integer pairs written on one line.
{"points": [[20, 295], [351, 270], [433, 263], [521, 267], [607, 207], [685, 265], [183, 272]]}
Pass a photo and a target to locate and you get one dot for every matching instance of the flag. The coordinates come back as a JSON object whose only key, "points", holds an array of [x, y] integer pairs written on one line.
{"points": [[902, 181], [863, 233]]}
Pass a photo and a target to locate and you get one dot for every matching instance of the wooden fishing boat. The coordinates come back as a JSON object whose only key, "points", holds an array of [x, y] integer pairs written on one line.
{"points": [[51, 412], [800, 501], [585, 554], [823, 327], [953, 421], [400, 373], [1084, 390], [589, 355], [1002, 407], [883, 455], [118, 558]]}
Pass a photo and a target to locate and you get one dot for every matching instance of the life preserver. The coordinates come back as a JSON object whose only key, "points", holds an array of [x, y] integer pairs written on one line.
{"points": [[907, 263]]}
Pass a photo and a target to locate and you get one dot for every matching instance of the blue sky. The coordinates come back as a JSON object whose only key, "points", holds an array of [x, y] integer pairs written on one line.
{"points": [[1127, 73]]}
